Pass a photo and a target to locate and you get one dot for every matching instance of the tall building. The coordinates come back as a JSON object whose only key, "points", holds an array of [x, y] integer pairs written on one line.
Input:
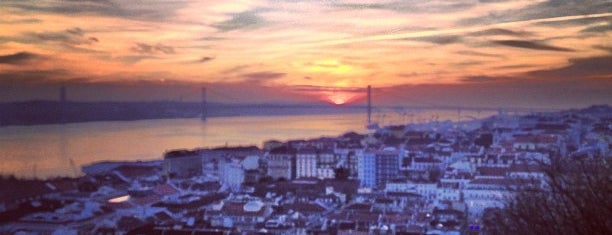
{"points": [[375, 168], [366, 165], [387, 166]]}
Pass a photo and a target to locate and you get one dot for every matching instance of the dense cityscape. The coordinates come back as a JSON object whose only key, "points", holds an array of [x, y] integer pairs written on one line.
{"points": [[429, 178]]}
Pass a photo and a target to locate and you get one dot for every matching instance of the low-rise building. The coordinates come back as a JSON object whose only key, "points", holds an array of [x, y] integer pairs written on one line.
{"points": [[281, 163], [182, 163]]}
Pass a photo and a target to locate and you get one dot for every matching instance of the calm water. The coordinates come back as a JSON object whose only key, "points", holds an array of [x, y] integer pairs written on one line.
{"points": [[47, 150]]}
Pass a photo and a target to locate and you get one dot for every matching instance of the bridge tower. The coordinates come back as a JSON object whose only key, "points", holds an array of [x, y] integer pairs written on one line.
{"points": [[204, 107], [369, 104], [370, 125], [62, 104]]}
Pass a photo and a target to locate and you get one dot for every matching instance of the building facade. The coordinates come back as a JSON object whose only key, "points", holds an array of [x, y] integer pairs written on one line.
{"points": [[182, 163], [281, 163]]}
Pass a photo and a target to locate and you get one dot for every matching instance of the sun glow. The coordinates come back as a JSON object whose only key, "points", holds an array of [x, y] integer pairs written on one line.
{"points": [[340, 98], [329, 66]]}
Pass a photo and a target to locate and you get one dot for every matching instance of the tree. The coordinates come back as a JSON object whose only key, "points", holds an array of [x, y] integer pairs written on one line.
{"points": [[485, 140], [434, 174], [574, 199], [341, 173], [266, 179]]}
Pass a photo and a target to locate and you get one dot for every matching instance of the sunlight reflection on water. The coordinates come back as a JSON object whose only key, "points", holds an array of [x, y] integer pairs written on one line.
{"points": [[46, 150]]}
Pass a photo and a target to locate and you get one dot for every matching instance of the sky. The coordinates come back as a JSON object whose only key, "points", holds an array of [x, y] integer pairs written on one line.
{"points": [[476, 53]]}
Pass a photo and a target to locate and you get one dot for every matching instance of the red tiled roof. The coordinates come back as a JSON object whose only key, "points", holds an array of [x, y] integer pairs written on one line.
{"points": [[237, 209], [165, 190], [120, 205], [495, 150], [492, 171], [544, 139], [364, 217], [162, 216], [136, 171], [147, 200], [427, 160], [525, 168], [492, 181], [63, 185], [127, 223], [396, 218], [206, 186], [20, 189], [371, 217], [359, 207], [306, 207]]}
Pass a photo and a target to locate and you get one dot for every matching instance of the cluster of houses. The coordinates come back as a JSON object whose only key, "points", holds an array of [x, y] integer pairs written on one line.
{"points": [[435, 178]]}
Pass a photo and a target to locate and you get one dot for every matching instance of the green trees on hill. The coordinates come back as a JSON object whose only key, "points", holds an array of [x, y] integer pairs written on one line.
{"points": [[574, 199]]}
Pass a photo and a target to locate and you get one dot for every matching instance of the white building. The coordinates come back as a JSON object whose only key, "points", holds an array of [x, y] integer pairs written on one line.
{"points": [[347, 156], [280, 163], [315, 163], [232, 174], [424, 188], [424, 164], [306, 163], [449, 191], [480, 194], [326, 162]]}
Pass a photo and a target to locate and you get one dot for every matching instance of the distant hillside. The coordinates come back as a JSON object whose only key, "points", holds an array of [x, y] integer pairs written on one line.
{"points": [[53, 112]]}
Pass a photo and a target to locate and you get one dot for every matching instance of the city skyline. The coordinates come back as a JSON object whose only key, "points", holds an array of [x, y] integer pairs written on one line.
{"points": [[468, 53]]}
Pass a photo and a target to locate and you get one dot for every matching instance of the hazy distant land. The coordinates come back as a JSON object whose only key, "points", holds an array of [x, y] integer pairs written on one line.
{"points": [[54, 112]]}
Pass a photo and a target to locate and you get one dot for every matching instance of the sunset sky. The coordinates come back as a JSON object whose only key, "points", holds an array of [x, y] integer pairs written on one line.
{"points": [[526, 53]]}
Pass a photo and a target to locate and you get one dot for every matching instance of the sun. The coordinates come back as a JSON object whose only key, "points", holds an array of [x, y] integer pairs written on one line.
{"points": [[339, 98]]}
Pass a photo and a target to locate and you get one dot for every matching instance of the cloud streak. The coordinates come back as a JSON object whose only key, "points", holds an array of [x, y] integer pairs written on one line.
{"points": [[263, 76], [18, 58], [440, 40], [154, 10], [409, 6], [580, 68], [531, 45], [484, 78], [549, 9], [308, 88], [447, 31], [241, 21], [205, 59], [598, 29], [499, 31], [144, 48], [71, 36]]}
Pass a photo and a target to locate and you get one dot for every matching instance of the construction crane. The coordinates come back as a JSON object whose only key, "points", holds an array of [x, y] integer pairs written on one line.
{"points": [[74, 168]]}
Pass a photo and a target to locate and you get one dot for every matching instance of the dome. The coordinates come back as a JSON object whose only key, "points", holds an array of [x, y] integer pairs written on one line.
{"points": [[253, 206]]}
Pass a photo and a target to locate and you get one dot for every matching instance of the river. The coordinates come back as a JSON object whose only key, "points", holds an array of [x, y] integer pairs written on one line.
{"points": [[48, 150]]}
